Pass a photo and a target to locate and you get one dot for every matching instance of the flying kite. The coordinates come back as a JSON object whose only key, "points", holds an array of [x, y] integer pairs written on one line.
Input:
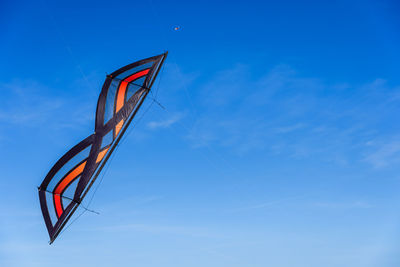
{"points": [[122, 94]]}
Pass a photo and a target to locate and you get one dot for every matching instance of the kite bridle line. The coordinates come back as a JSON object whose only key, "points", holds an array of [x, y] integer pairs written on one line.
{"points": [[113, 147], [138, 85], [70, 199], [152, 97]]}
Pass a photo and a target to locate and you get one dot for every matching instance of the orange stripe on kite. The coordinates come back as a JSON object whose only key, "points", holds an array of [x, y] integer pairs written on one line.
{"points": [[101, 155], [121, 96], [64, 183], [118, 127], [122, 88]]}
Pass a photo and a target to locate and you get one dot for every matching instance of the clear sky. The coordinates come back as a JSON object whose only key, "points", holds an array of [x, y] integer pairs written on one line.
{"points": [[279, 145]]}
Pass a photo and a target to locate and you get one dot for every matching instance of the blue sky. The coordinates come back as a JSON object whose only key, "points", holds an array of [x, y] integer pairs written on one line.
{"points": [[279, 145]]}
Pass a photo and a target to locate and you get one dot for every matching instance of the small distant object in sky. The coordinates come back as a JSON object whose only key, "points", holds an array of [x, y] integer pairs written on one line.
{"points": [[177, 28]]}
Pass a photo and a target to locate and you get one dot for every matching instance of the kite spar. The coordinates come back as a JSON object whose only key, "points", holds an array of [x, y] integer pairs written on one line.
{"points": [[121, 97]]}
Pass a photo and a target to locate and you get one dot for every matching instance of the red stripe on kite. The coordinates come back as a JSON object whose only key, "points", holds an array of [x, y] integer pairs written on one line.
{"points": [[63, 184]]}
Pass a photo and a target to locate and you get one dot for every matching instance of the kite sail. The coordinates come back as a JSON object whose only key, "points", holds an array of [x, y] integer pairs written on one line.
{"points": [[70, 179]]}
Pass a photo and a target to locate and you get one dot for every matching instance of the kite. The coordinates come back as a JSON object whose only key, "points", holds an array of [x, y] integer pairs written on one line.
{"points": [[122, 94]]}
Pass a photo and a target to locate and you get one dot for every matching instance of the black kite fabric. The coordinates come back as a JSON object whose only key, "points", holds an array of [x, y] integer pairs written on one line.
{"points": [[69, 180]]}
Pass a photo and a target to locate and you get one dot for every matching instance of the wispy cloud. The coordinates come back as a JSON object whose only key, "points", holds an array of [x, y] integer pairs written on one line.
{"points": [[269, 204], [157, 229], [135, 201], [28, 103], [260, 107], [344, 205], [24, 104], [289, 128], [166, 123], [284, 113], [382, 154], [302, 201]]}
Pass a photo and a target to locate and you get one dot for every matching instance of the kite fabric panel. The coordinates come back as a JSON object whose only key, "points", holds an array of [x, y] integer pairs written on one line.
{"points": [[69, 180]]}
